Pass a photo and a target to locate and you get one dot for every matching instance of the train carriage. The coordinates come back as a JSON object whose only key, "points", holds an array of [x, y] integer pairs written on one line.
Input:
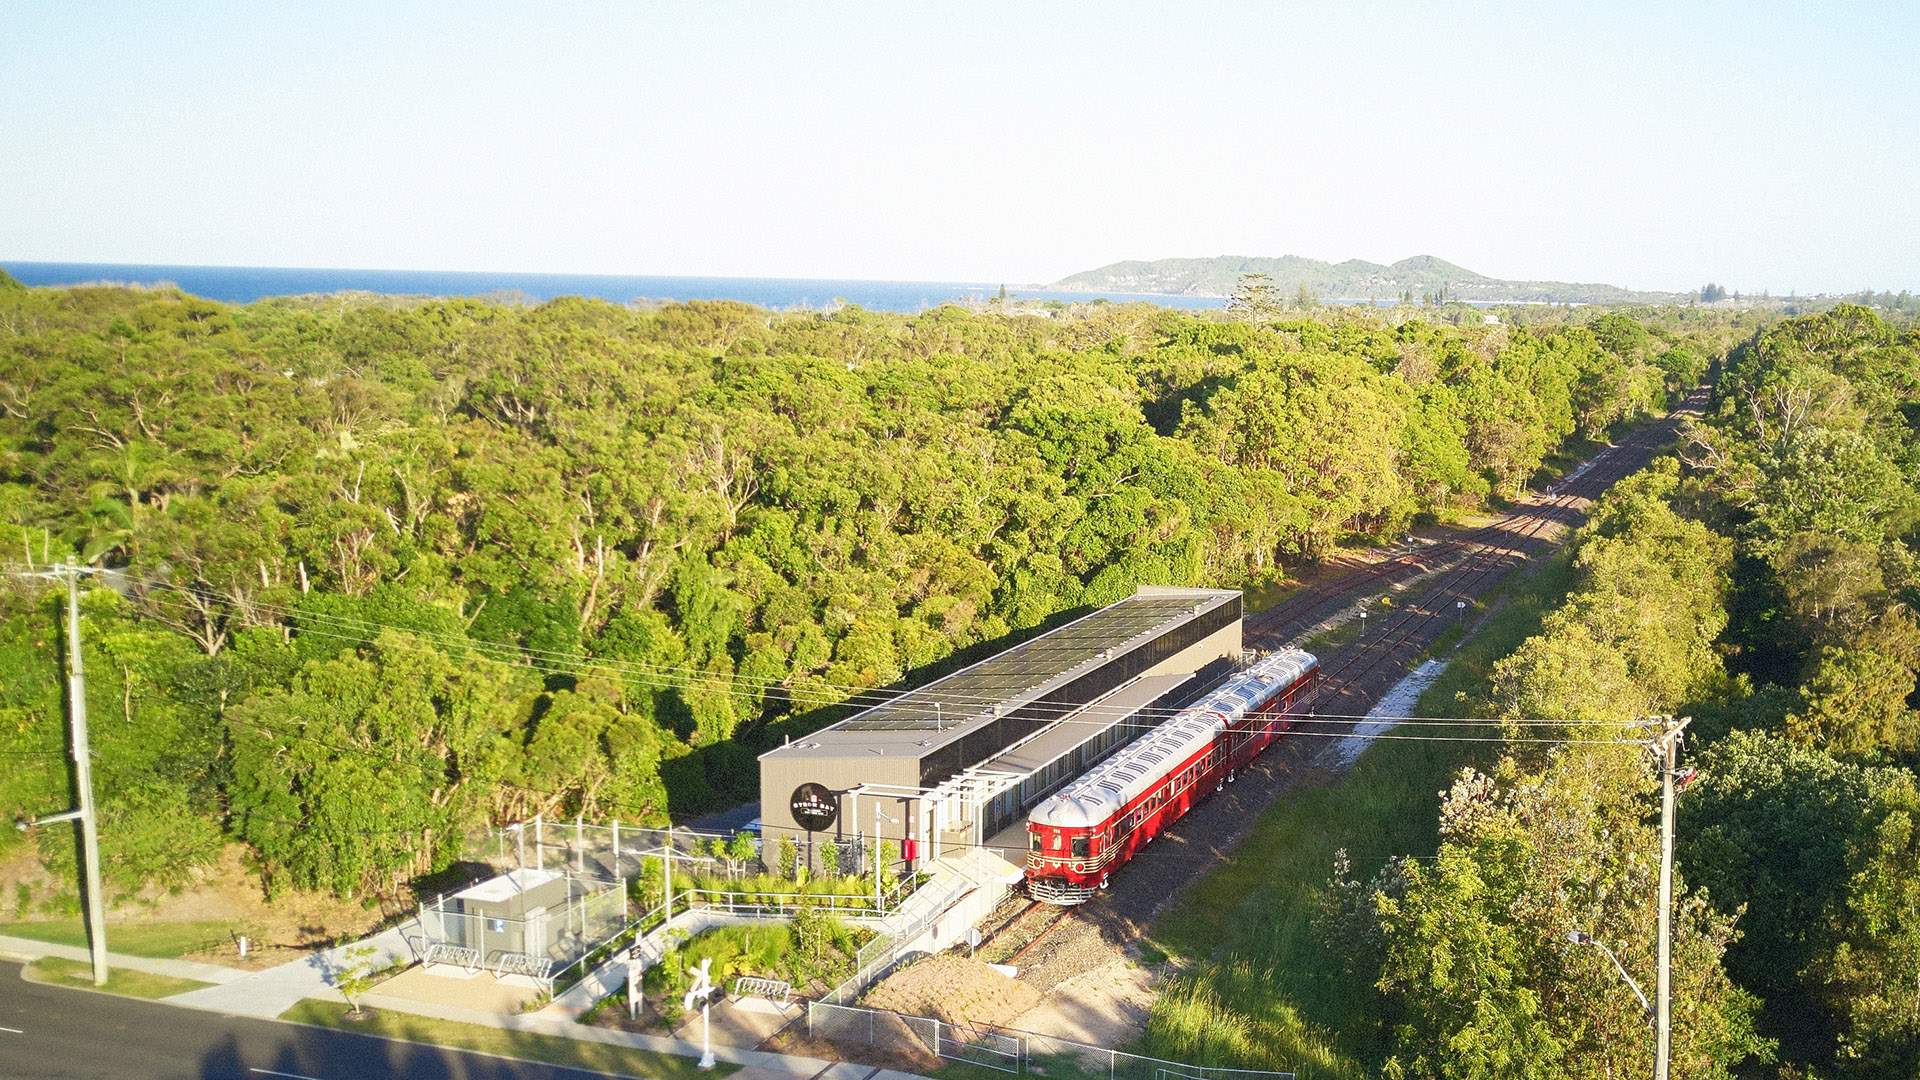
{"points": [[1078, 837]]}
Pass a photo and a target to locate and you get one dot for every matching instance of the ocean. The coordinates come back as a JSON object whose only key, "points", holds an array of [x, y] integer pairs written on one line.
{"points": [[244, 284]]}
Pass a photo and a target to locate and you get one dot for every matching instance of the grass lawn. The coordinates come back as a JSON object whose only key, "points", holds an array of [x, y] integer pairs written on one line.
{"points": [[552, 1049], [164, 940], [1261, 988], [53, 969]]}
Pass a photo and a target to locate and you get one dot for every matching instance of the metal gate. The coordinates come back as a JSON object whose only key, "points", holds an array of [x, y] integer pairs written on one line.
{"points": [[977, 1046]]}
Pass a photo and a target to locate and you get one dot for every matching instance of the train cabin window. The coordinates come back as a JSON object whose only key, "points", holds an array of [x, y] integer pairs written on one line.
{"points": [[1035, 837], [1057, 843], [1081, 847]]}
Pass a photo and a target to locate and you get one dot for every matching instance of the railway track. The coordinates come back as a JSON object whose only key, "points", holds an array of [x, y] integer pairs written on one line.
{"points": [[1031, 946], [1282, 623], [1451, 571], [1489, 552], [1015, 931]]}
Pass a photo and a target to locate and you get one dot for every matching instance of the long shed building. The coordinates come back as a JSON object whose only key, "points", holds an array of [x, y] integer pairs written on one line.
{"points": [[963, 757]]}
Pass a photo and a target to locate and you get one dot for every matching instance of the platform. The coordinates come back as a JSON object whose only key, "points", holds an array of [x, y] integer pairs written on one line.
{"points": [[1018, 778]]}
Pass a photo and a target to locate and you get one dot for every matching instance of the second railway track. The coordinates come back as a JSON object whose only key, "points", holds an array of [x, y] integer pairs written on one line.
{"points": [[1459, 568]]}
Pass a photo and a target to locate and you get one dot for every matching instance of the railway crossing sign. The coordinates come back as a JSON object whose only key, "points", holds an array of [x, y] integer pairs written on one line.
{"points": [[702, 992]]}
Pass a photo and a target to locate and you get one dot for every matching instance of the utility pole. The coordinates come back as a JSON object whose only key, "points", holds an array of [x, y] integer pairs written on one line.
{"points": [[82, 773], [1667, 745]]}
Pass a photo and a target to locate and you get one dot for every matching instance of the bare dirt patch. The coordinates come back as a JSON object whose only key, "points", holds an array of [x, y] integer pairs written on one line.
{"points": [[227, 895], [1107, 1006], [954, 988]]}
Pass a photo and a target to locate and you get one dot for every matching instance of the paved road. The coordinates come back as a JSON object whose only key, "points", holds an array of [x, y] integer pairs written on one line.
{"points": [[55, 1033]]}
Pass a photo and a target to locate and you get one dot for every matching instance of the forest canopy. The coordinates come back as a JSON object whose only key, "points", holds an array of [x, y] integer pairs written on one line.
{"points": [[1763, 582], [384, 571]]}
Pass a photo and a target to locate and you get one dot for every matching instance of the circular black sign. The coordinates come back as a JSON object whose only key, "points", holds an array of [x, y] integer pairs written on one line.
{"points": [[815, 807]]}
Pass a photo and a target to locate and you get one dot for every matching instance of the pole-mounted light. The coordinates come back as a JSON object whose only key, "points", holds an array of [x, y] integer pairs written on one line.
{"points": [[1581, 937]]}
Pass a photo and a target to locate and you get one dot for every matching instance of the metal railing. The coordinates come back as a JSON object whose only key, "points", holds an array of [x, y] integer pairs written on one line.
{"points": [[1009, 1050], [885, 952], [756, 902]]}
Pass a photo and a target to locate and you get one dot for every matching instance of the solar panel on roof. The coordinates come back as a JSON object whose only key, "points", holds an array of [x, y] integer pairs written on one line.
{"points": [[1024, 667]]}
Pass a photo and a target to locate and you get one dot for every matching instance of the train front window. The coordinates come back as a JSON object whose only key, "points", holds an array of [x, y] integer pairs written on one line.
{"points": [[1034, 841], [1080, 847]]}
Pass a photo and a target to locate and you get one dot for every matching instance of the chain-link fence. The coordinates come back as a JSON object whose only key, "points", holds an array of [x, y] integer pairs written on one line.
{"points": [[538, 930], [860, 1033], [616, 850], [726, 863]]}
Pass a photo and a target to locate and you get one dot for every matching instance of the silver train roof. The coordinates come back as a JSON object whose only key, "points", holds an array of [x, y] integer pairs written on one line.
{"points": [[1121, 778]]}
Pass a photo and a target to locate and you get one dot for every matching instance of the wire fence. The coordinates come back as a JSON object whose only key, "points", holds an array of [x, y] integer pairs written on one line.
{"points": [[613, 850], [858, 1032], [719, 860], [559, 923]]}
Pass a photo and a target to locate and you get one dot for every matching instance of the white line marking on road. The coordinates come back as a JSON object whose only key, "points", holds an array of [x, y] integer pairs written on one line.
{"points": [[13, 1031], [290, 1076]]}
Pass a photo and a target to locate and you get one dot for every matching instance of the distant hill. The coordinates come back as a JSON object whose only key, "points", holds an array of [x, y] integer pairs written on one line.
{"points": [[1354, 279]]}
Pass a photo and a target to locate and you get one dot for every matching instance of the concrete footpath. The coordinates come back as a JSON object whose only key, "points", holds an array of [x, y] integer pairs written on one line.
{"points": [[268, 993], [27, 949], [761, 1063]]}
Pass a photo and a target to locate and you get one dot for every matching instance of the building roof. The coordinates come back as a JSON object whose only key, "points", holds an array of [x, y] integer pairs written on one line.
{"points": [[919, 721], [507, 885]]}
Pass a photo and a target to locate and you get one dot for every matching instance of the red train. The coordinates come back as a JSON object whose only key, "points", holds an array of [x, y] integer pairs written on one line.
{"points": [[1080, 835]]}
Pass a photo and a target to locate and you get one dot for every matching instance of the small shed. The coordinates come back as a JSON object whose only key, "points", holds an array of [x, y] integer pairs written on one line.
{"points": [[509, 913]]}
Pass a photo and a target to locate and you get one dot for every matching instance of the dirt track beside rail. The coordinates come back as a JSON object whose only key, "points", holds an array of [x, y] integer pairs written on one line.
{"points": [[1429, 581]]}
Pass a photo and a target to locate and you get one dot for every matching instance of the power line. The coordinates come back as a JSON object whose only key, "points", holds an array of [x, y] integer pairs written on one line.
{"points": [[439, 773], [673, 677], [725, 683], [558, 662], [1350, 719]]}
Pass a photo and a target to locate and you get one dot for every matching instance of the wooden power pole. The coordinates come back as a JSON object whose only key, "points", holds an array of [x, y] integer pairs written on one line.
{"points": [[82, 772]]}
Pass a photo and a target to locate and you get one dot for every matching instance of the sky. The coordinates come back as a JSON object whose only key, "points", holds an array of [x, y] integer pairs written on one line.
{"points": [[1656, 146]]}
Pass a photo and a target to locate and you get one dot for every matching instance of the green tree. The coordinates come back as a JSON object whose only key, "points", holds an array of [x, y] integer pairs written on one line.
{"points": [[741, 849], [1855, 705], [1255, 298], [356, 975], [1637, 633], [1822, 860], [368, 768], [1477, 955]]}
